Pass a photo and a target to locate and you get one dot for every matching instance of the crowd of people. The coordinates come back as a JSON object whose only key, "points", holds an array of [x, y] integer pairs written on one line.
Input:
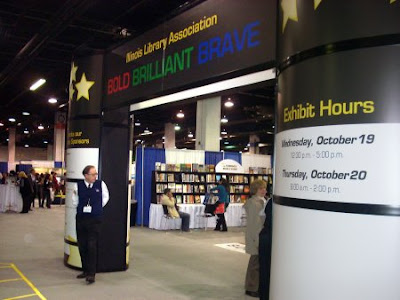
{"points": [[34, 186]]}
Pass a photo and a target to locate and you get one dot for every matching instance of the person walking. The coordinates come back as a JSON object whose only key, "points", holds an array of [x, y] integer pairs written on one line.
{"points": [[255, 211], [222, 191], [89, 198]]}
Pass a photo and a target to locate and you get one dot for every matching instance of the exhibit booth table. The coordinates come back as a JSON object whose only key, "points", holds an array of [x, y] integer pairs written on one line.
{"points": [[233, 216], [10, 198]]}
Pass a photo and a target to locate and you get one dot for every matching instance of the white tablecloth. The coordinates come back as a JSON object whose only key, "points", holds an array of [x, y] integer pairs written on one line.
{"points": [[10, 198], [233, 216]]}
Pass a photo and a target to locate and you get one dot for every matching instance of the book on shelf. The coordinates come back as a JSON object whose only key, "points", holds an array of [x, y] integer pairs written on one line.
{"points": [[178, 198], [210, 168], [201, 168], [170, 177], [171, 186], [158, 166], [178, 188], [197, 199], [202, 188], [195, 168]]}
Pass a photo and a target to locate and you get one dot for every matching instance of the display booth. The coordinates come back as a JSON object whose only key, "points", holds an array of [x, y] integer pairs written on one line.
{"points": [[151, 163]]}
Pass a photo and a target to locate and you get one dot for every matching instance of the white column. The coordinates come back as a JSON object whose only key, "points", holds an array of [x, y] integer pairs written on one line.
{"points": [[49, 152], [254, 140], [59, 137], [208, 124], [169, 133], [11, 148]]}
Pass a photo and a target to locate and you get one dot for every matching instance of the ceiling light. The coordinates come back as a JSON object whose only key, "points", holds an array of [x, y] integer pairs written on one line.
{"points": [[190, 135], [229, 103], [223, 132], [25, 113], [137, 123], [224, 120], [226, 142], [37, 84], [180, 114], [40, 127], [52, 100], [270, 132], [11, 119], [146, 132], [26, 131], [7, 140], [1, 124], [245, 149], [19, 124], [220, 138], [163, 137], [26, 146], [273, 126], [138, 141], [45, 142], [177, 127]]}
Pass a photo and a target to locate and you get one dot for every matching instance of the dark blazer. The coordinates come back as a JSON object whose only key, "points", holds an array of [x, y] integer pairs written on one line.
{"points": [[24, 187]]}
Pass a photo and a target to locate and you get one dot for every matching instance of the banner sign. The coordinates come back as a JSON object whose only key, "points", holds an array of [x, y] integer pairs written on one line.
{"points": [[229, 166], [337, 140], [209, 40]]}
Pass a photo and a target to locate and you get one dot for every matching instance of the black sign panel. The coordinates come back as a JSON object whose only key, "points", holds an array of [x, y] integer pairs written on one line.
{"points": [[212, 39], [351, 87], [83, 133], [85, 88], [307, 24]]}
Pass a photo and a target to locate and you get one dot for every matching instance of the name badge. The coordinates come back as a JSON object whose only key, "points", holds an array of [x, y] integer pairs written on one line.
{"points": [[87, 209]]}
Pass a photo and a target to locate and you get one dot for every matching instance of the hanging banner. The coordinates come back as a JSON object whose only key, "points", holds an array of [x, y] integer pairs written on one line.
{"points": [[209, 40]]}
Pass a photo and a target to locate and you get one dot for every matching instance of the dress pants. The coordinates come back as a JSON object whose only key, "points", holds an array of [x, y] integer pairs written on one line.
{"points": [[252, 275], [87, 231], [185, 220]]}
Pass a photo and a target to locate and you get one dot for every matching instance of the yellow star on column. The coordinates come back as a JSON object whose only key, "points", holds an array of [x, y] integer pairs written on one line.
{"points": [[289, 9], [392, 1], [83, 88], [316, 3], [73, 72], [71, 91]]}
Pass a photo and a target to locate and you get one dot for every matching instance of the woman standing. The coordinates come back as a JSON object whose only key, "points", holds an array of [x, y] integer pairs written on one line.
{"points": [[223, 197], [25, 190], [255, 211]]}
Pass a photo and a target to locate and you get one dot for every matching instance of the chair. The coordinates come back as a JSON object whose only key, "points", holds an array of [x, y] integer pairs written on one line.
{"points": [[205, 216], [167, 219]]}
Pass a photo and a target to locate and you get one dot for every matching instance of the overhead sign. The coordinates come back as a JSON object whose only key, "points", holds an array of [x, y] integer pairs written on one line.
{"points": [[207, 41], [229, 166]]}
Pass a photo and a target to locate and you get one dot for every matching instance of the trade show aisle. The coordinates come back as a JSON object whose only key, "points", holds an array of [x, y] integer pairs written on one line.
{"points": [[163, 265]]}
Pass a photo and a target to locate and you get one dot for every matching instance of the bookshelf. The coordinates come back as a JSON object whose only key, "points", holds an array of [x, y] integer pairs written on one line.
{"points": [[191, 187]]}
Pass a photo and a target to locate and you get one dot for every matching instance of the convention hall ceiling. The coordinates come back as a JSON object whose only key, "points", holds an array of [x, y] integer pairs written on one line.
{"points": [[39, 38]]}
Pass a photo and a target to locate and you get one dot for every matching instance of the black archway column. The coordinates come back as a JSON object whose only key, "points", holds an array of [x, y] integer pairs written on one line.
{"points": [[99, 138], [336, 222]]}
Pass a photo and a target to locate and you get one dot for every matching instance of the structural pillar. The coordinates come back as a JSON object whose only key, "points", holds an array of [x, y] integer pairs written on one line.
{"points": [[208, 124], [336, 223], [98, 138], [50, 152], [253, 141], [169, 134], [11, 148]]}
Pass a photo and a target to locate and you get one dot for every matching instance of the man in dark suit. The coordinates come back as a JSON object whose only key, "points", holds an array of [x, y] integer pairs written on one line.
{"points": [[33, 187], [89, 197]]}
